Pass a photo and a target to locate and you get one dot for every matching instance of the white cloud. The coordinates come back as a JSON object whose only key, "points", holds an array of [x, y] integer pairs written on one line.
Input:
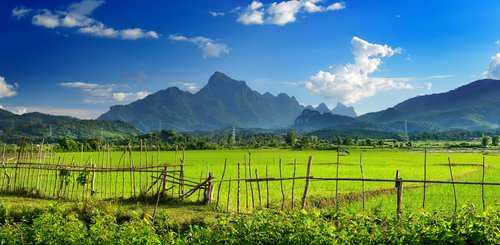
{"points": [[104, 93], [76, 16], [191, 87], [130, 96], [46, 19], [216, 14], [494, 69], [283, 12], [209, 47], [20, 12], [6, 90], [428, 86], [351, 83]]}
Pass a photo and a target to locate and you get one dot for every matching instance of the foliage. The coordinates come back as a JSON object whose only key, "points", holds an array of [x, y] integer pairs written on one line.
{"points": [[56, 225]]}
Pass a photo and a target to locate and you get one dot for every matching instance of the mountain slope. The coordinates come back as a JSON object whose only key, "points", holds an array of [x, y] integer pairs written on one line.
{"points": [[343, 110], [475, 106], [221, 103], [38, 126]]}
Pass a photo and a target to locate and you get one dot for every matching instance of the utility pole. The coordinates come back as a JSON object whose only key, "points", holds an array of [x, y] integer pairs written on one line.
{"points": [[406, 131], [234, 135]]}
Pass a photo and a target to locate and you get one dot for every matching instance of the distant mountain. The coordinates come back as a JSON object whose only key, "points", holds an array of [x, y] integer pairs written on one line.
{"points": [[475, 106], [221, 103], [313, 119], [38, 126], [343, 110], [322, 108]]}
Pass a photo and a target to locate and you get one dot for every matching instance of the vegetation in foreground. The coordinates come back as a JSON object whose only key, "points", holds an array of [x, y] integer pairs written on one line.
{"points": [[88, 223]]}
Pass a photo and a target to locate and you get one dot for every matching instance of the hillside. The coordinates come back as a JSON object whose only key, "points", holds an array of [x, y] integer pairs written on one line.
{"points": [[221, 103], [475, 106], [38, 126]]}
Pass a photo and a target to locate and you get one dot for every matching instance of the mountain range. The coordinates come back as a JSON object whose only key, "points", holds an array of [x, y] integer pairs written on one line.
{"points": [[223, 102]]}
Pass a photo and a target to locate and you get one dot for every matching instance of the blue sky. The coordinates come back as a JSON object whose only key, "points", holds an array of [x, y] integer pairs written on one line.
{"points": [[79, 58]]}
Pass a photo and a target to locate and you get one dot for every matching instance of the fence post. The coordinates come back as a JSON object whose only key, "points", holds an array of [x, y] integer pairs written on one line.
{"points": [[425, 176], [399, 185], [337, 181], [308, 175], [220, 183], [282, 189], [362, 178], [208, 198], [482, 186], [238, 192], [453, 183]]}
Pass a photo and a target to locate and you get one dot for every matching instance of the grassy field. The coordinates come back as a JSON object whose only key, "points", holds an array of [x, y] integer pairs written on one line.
{"points": [[377, 163]]}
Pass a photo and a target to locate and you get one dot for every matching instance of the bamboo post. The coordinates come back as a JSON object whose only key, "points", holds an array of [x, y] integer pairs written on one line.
{"points": [[146, 156], [228, 195], [220, 183], [199, 190], [140, 171], [337, 181], [4, 168], [132, 173], [182, 174], [210, 191], [250, 175], [238, 191], [258, 187], [293, 182], [29, 162], [157, 200], [175, 165], [399, 201], [246, 183], [362, 179], [281, 186], [425, 176], [482, 187], [56, 175], [123, 172], [103, 183], [92, 183], [308, 180], [110, 174], [453, 183], [267, 186]]}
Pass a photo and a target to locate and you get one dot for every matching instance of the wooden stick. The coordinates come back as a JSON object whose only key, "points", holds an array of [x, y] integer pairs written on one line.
{"points": [[157, 202], [267, 186], [201, 179], [482, 186], [210, 191], [362, 178], [246, 183], [250, 175], [238, 191], [453, 183], [425, 176], [336, 181], [293, 182], [228, 195], [132, 174], [399, 202], [123, 173], [175, 163], [220, 183], [258, 187], [308, 180], [146, 155], [282, 189], [140, 173]]}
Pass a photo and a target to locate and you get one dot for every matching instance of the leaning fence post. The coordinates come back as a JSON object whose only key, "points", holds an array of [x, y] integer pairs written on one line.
{"points": [[228, 195], [308, 179], [425, 176], [258, 187], [337, 181], [453, 183], [399, 185], [293, 182], [282, 189], [220, 183], [238, 192], [362, 179], [208, 198], [482, 186]]}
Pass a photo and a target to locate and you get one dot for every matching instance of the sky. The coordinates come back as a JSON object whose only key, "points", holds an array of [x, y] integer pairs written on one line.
{"points": [[78, 58]]}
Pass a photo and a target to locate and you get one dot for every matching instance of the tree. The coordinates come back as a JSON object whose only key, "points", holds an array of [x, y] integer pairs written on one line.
{"points": [[495, 140], [486, 141], [291, 138]]}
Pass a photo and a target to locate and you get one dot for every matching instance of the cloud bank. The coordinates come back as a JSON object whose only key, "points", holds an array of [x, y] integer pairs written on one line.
{"points": [[282, 13], [6, 90], [104, 93], [494, 69], [351, 83], [209, 47], [76, 15]]}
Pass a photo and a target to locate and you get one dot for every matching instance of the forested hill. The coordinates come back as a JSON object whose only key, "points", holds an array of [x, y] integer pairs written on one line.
{"points": [[37, 126], [223, 102]]}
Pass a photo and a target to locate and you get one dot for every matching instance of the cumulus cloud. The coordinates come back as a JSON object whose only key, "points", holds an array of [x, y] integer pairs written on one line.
{"points": [[209, 47], [191, 87], [428, 86], [216, 14], [494, 69], [284, 12], [351, 83], [6, 90], [76, 15], [104, 93], [20, 12]]}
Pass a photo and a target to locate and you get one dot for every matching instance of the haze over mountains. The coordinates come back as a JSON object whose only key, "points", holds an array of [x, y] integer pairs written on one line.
{"points": [[225, 102]]}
